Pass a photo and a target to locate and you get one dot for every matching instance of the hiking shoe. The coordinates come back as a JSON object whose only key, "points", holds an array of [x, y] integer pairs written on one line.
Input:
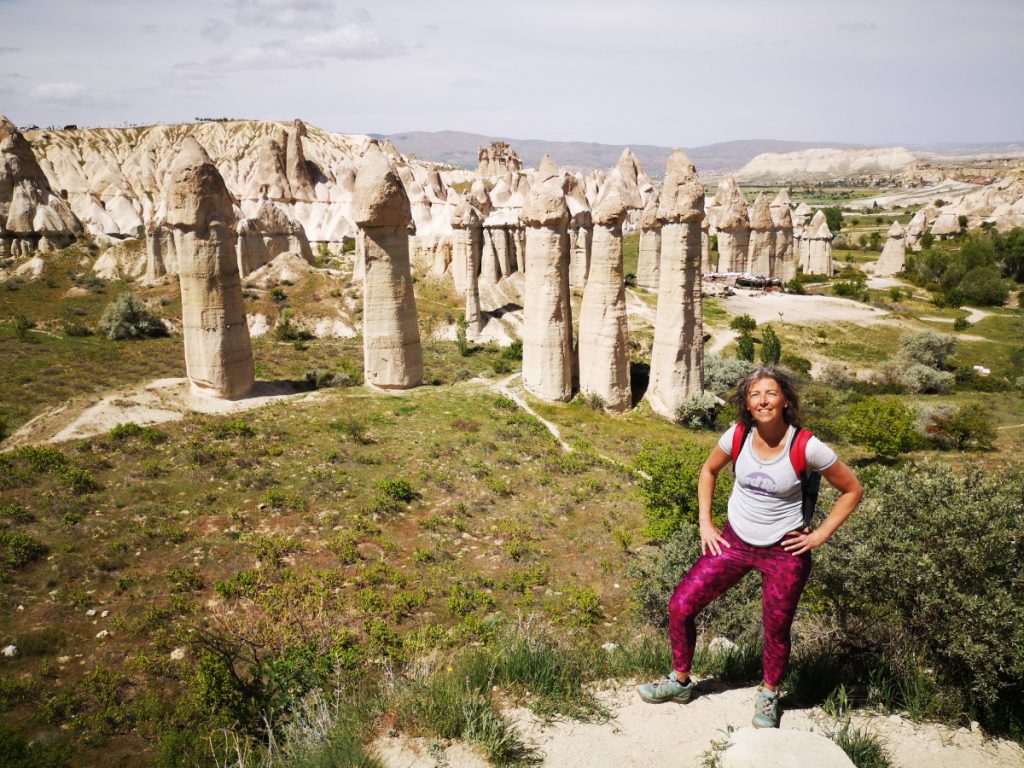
{"points": [[666, 689], [766, 709]]}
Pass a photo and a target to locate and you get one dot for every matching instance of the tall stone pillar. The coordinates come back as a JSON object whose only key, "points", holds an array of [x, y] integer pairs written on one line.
{"points": [[706, 266], [894, 254], [603, 340], [548, 363], [392, 357], [490, 272], [677, 356], [785, 254], [580, 250], [733, 224], [818, 237], [648, 265], [218, 352], [466, 238], [762, 238]]}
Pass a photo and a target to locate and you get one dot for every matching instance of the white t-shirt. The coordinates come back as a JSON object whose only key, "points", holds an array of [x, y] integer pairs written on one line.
{"points": [[765, 503]]}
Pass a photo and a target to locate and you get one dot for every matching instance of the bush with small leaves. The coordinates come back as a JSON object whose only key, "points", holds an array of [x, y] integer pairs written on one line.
{"points": [[771, 346], [745, 347], [742, 323], [723, 373], [967, 428], [883, 424], [928, 348], [699, 411], [835, 376], [128, 317], [17, 550], [668, 487], [397, 488], [921, 379]]}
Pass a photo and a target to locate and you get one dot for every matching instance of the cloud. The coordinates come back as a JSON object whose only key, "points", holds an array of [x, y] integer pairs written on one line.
{"points": [[216, 31], [857, 26], [8, 49], [61, 92], [290, 14], [351, 41]]}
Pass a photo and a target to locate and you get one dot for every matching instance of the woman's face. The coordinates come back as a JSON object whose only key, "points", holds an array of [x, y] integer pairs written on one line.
{"points": [[766, 402]]}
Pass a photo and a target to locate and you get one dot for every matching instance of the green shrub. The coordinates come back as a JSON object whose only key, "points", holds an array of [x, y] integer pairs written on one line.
{"points": [[743, 323], [227, 429], [928, 348], [745, 347], [17, 550], [513, 351], [128, 317], [922, 379], [41, 458], [22, 325], [771, 347], [699, 411], [883, 424], [668, 487], [79, 481], [961, 324], [968, 428], [397, 488], [984, 286], [723, 373], [930, 565]]}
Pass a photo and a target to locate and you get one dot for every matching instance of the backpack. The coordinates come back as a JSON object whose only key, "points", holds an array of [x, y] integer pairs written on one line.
{"points": [[809, 481]]}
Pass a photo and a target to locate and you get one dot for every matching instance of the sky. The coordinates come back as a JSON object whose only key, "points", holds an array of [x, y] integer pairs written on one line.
{"points": [[664, 72]]}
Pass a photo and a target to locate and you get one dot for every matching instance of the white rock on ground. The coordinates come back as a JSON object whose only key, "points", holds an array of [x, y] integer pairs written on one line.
{"points": [[773, 748], [218, 351]]}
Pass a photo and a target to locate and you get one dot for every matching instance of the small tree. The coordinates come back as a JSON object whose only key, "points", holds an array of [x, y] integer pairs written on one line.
{"points": [[883, 424], [669, 487], [461, 326], [928, 348], [876, 241], [771, 347], [128, 317], [745, 348], [743, 323], [834, 218]]}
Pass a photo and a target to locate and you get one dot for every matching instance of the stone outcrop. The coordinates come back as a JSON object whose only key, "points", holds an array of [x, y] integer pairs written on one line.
{"points": [[947, 224], [32, 217], [817, 246], [466, 240], [648, 265], [785, 252], [733, 223], [762, 239], [548, 364], [392, 356], [218, 352], [603, 339], [498, 158], [825, 165], [268, 234], [787, 748], [581, 230], [894, 253], [677, 354]]}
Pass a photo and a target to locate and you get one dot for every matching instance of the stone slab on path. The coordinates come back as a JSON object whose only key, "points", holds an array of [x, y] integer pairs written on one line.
{"points": [[771, 748]]}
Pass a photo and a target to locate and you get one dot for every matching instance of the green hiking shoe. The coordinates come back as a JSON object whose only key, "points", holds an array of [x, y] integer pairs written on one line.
{"points": [[766, 709], [667, 689]]}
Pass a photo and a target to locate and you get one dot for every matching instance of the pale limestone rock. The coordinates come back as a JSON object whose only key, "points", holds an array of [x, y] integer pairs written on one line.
{"points": [[947, 223], [916, 228], [894, 254], [496, 159], [817, 239], [774, 748], [762, 238], [785, 254], [677, 354], [733, 225], [392, 355], [267, 234], [801, 213], [218, 353], [649, 257], [466, 238], [603, 339], [32, 217], [780, 201], [548, 364], [633, 177], [581, 232], [706, 266]]}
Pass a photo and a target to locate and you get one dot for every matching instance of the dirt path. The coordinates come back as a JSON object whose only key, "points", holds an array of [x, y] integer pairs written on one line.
{"points": [[640, 734], [502, 387]]}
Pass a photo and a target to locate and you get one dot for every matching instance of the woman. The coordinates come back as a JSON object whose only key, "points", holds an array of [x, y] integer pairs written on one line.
{"points": [[765, 531]]}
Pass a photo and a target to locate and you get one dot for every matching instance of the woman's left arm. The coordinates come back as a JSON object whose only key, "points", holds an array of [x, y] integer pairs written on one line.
{"points": [[851, 491]]}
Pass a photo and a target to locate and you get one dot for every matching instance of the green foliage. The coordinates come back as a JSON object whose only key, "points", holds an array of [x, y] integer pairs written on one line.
{"points": [[745, 347], [771, 346], [128, 317], [461, 341], [397, 488], [513, 351], [122, 433], [883, 424], [928, 348], [584, 607], [723, 373], [834, 219], [921, 379], [930, 565], [895, 294], [17, 550], [224, 430], [668, 487], [743, 323], [967, 428], [699, 411], [984, 286], [22, 325]]}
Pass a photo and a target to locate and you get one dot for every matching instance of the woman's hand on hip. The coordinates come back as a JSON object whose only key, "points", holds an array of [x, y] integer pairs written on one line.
{"points": [[799, 542], [711, 539]]}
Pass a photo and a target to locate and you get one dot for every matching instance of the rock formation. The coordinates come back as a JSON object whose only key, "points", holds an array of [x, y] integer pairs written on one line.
{"points": [[548, 364], [733, 225], [392, 356], [218, 353], [762, 239], [267, 234], [946, 224], [498, 158], [32, 217], [466, 239], [817, 243], [785, 253], [649, 257], [581, 231], [780, 201], [706, 266], [894, 254], [603, 339], [825, 165], [677, 355]]}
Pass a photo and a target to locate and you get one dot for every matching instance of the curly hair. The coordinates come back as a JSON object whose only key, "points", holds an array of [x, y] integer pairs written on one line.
{"points": [[786, 383]]}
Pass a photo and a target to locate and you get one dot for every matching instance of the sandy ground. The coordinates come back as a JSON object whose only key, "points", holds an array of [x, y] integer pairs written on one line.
{"points": [[156, 402], [974, 316], [790, 308], [640, 734]]}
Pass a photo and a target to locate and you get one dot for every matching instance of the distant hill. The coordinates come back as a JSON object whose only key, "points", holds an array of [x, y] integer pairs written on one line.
{"points": [[457, 148]]}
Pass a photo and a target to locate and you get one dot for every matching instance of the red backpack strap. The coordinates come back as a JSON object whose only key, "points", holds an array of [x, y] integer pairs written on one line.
{"points": [[738, 434], [798, 452]]}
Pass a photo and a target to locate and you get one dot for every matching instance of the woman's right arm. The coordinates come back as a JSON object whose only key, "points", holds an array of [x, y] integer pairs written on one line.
{"points": [[710, 537]]}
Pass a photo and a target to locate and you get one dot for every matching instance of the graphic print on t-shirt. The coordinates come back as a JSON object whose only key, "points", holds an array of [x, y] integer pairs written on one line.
{"points": [[760, 483]]}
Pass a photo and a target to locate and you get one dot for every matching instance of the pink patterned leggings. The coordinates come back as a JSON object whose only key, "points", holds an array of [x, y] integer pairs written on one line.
{"points": [[782, 580]]}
